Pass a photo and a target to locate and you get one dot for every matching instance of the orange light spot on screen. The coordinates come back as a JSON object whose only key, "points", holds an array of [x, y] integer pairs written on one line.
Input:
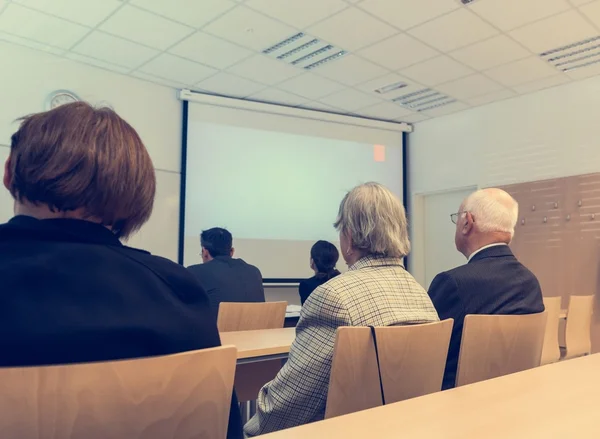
{"points": [[379, 153]]}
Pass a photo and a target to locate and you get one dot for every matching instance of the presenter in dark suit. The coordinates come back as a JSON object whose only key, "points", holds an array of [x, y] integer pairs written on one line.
{"points": [[323, 258], [493, 281], [71, 291], [224, 278]]}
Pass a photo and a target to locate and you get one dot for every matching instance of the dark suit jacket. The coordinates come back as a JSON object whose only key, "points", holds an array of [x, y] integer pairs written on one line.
{"points": [[226, 279], [493, 282], [71, 292]]}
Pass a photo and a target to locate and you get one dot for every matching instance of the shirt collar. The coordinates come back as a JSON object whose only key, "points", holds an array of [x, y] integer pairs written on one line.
{"points": [[376, 261], [483, 248]]}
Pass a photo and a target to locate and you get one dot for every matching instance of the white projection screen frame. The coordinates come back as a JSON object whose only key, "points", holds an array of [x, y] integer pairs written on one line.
{"points": [[222, 196]]}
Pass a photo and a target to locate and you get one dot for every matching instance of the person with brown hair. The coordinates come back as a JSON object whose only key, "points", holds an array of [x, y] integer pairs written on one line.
{"points": [[82, 180]]}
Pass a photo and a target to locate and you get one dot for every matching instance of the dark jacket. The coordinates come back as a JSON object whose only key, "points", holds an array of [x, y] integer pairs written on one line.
{"points": [[307, 286], [226, 279], [493, 282], [71, 292]]}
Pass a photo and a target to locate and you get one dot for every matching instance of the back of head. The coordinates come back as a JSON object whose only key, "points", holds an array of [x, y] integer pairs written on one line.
{"points": [[79, 158], [493, 211], [374, 220], [217, 241], [325, 256]]}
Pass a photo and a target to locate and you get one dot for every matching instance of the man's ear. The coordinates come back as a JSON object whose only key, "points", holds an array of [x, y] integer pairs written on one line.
{"points": [[232, 252], [7, 174], [469, 224]]}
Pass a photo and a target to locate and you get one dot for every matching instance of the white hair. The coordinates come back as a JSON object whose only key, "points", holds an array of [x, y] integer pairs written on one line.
{"points": [[375, 221], [493, 210]]}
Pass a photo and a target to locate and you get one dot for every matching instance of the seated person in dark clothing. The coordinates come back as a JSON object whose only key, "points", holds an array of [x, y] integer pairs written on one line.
{"points": [[71, 291], [323, 258], [224, 278], [493, 281]]}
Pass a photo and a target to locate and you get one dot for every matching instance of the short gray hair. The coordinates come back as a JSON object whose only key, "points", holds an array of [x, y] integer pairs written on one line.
{"points": [[374, 220], [494, 210]]}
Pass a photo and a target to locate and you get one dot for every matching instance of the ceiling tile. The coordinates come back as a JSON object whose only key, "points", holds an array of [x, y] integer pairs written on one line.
{"points": [[27, 23], [145, 28], [10, 38], [318, 106], [195, 13], [592, 11], [299, 14], [405, 14], [209, 50], [249, 29], [352, 29], [533, 86], [350, 70], [310, 86], [580, 2], [452, 31], [157, 80], [229, 85], [350, 99], [391, 78], [470, 86], [436, 71], [177, 69], [413, 118], [274, 96], [114, 50], [491, 97], [386, 52], [265, 70], [384, 111], [447, 109], [96, 62], [553, 32], [509, 14], [491, 53], [83, 12], [519, 72]]}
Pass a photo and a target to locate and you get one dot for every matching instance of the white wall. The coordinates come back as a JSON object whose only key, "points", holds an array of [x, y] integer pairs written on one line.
{"points": [[551, 133], [28, 76]]}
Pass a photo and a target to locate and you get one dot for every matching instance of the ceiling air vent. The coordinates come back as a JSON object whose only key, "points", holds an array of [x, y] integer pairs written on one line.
{"points": [[423, 100], [574, 56], [391, 87], [304, 51]]}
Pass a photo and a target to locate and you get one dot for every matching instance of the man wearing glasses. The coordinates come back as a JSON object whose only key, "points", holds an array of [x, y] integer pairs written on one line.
{"points": [[493, 281]]}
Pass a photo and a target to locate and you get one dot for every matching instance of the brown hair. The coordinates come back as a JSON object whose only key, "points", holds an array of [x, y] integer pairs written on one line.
{"points": [[80, 157]]}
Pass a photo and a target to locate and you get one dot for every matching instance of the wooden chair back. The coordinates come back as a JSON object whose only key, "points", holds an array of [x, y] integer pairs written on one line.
{"points": [[354, 379], [174, 396], [497, 345], [412, 358], [577, 332], [235, 316], [551, 349]]}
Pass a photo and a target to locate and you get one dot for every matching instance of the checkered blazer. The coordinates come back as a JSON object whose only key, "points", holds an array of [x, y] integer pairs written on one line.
{"points": [[376, 292]]}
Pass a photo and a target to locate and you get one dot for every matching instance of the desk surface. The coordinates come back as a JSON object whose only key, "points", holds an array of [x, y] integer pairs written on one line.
{"points": [[560, 400], [260, 343]]}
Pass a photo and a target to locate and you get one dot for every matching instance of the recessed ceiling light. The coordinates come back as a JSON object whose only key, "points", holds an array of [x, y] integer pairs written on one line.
{"points": [[283, 43], [326, 60], [574, 56], [313, 54], [391, 87], [298, 49]]}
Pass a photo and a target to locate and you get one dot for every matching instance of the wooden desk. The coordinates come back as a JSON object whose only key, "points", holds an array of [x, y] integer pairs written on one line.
{"points": [[560, 400], [263, 345], [563, 314]]}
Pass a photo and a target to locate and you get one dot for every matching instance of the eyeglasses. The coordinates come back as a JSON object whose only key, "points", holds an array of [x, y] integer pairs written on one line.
{"points": [[454, 216]]}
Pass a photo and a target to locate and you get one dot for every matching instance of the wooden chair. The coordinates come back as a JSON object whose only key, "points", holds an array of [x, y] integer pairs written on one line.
{"points": [[412, 359], [577, 332], [250, 316], [551, 349], [249, 378], [174, 396], [497, 345]]}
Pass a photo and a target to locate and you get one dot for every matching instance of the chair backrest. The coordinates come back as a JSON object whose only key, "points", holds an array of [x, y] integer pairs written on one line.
{"points": [[413, 358], [174, 396], [234, 316], [577, 332], [551, 349], [354, 379], [497, 345]]}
